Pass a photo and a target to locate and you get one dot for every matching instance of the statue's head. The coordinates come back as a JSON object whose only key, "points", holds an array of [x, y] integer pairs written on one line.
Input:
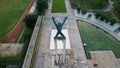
{"points": [[59, 23]]}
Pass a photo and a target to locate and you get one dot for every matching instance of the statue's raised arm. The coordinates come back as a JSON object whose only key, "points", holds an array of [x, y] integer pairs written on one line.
{"points": [[54, 20], [64, 20]]}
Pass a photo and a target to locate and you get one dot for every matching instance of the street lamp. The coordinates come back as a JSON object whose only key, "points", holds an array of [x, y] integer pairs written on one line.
{"points": [[84, 45]]}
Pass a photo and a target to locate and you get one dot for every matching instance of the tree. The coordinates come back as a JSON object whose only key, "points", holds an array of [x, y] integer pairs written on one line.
{"points": [[78, 9], [106, 20], [116, 9], [97, 4], [30, 21], [74, 4], [84, 11], [102, 18], [97, 15], [113, 21], [41, 6]]}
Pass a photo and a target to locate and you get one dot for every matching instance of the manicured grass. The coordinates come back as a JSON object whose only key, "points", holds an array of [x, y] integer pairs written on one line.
{"points": [[10, 13], [58, 6], [97, 39]]}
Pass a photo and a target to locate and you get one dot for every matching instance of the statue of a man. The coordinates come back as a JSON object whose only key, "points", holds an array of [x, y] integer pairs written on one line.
{"points": [[59, 26]]}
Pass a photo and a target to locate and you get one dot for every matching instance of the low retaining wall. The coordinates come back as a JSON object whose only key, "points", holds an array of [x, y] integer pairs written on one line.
{"points": [[98, 21], [28, 57]]}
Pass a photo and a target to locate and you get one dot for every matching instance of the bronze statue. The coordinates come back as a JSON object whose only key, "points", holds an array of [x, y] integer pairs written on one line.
{"points": [[59, 26]]}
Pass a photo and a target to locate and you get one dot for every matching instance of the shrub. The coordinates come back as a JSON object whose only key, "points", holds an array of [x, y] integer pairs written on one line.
{"points": [[41, 6], [106, 20], [78, 9], [102, 17], [97, 15], [73, 4], [30, 20], [116, 9], [113, 21], [105, 16], [84, 11]]}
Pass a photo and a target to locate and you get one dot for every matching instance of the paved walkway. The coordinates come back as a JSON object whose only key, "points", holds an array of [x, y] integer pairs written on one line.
{"points": [[75, 39], [109, 7], [28, 57], [103, 59]]}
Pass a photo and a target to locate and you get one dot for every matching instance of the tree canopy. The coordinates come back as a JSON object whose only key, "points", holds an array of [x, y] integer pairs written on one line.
{"points": [[116, 9], [89, 4], [98, 4], [30, 20], [41, 6]]}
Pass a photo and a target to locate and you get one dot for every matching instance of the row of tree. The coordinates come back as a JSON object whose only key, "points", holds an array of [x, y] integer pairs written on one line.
{"points": [[106, 18], [103, 16]]}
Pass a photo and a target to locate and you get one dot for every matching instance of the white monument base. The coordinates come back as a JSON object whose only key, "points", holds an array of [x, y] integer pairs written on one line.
{"points": [[59, 42]]}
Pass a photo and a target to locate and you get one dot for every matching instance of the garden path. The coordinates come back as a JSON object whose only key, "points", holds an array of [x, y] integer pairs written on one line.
{"points": [[109, 7], [75, 39]]}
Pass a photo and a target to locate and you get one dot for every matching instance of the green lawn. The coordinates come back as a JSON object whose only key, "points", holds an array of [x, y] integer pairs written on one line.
{"points": [[58, 6], [97, 39], [10, 13]]}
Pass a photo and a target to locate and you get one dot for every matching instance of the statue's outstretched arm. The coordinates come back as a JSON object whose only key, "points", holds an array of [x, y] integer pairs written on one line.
{"points": [[64, 20], [54, 20]]}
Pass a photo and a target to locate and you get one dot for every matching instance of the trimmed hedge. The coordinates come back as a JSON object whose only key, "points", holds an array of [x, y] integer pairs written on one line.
{"points": [[84, 11]]}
